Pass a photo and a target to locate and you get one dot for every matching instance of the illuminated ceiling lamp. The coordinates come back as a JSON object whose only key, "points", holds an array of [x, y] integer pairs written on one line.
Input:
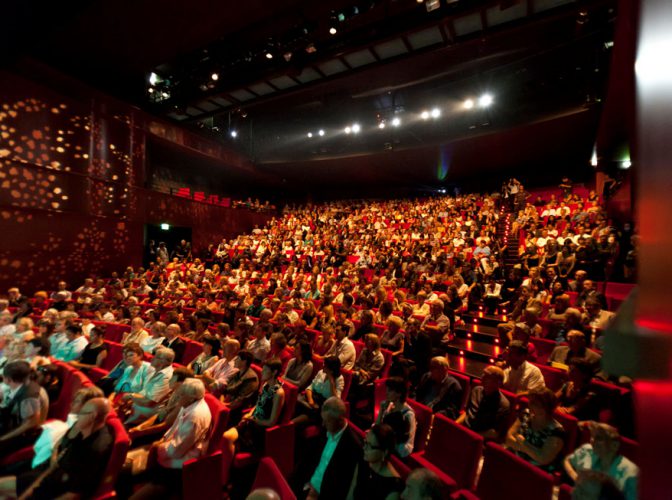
{"points": [[432, 5]]}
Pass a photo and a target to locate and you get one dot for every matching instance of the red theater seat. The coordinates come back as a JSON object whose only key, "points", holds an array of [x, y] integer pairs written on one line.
{"points": [[269, 476], [117, 458], [506, 476], [453, 452]]}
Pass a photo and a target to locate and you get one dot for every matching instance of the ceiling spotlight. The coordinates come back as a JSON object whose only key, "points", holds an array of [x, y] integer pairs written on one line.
{"points": [[151, 90], [333, 30], [310, 134], [215, 76], [347, 130], [269, 55], [626, 164], [381, 125], [424, 115], [234, 134], [420, 1], [154, 78], [468, 104], [436, 112], [485, 100], [165, 95], [396, 122], [356, 128], [321, 133]]}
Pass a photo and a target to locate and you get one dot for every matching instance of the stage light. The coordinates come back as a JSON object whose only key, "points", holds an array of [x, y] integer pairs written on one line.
{"points": [[151, 90], [333, 31], [154, 78], [424, 115], [396, 122], [348, 130], [626, 165], [234, 134], [381, 125], [419, 1], [593, 159], [485, 100], [165, 95], [356, 128], [269, 55], [214, 77], [310, 134], [436, 112], [321, 133], [468, 104], [165, 227]]}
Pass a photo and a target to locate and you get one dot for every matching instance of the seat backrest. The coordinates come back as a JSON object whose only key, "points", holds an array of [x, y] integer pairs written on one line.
{"points": [[117, 457], [465, 383], [379, 395], [553, 377], [115, 331], [359, 346], [71, 381], [347, 383], [455, 450], [202, 477], [544, 348], [269, 476], [505, 475], [423, 420], [220, 421], [571, 426], [191, 350], [387, 354], [565, 492], [291, 393], [115, 353]]}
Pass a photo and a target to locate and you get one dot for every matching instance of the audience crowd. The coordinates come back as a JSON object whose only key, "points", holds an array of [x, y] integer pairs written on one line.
{"points": [[351, 305]]}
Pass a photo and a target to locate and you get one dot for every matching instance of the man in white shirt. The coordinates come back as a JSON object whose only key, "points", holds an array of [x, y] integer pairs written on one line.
{"points": [[217, 376], [343, 349], [6, 325], [87, 288], [335, 465], [260, 346], [155, 388], [521, 377], [61, 292], [137, 333]]}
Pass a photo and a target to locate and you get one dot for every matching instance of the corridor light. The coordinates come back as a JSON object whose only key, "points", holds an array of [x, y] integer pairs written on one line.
{"points": [[356, 128], [485, 100], [381, 125], [310, 134], [347, 130], [214, 76], [321, 133], [234, 134], [424, 115], [165, 227], [436, 112], [468, 104], [396, 122]]}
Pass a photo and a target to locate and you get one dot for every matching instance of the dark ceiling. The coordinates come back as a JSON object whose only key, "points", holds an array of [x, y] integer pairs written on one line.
{"points": [[544, 61]]}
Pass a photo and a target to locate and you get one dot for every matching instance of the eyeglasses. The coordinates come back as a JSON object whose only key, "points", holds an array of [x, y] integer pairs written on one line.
{"points": [[370, 446]]}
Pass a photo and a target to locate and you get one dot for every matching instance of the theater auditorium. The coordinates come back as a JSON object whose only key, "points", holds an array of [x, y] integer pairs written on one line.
{"points": [[344, 249]]}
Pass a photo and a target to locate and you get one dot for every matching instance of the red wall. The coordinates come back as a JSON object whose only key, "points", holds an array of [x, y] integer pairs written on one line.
{"points": [[71, 204]]}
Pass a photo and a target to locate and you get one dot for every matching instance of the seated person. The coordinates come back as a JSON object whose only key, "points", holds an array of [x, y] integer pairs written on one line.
{"points": [[155, 338], [259, 345], [488, 409], [279, 349], [299, 370], [436, 324], [336, 460], [536, 436], [241, 388], [375, 477], [325, 341], [78, 464], [439, 390], [423, 484], [137, 332], [134, 372], [395, 412], [95, 351], [173, 341], [249, 434], [74, 347], [343, 348], [208, 357], [575, 397], [393, 337], [166, 411], [217, 376], [25, 404], [521, 376], [52, 433], [37, 352], [186, 439], [144, 403], [576, 348], [601, 455], [328, 382], [370, 362]]}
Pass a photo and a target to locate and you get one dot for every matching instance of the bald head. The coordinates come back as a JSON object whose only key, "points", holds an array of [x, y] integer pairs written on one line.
{"points": [[333, 414], [98, 409], [263, 494]]}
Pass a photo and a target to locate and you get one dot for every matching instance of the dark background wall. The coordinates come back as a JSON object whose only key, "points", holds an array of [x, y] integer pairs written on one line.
{"points": [[72, 177]]}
